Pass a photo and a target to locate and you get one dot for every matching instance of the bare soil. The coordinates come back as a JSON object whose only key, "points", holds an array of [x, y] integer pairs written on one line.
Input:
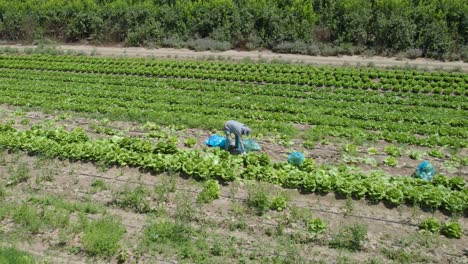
{"points": [[387, 227], [323, 153], [263, 55]]}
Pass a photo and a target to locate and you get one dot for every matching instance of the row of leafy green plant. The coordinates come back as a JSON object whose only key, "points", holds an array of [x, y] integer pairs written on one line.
{"points": [[167, 102], [448, 194], [449, 229], [349, 72], [284, 90], [270, 74]]}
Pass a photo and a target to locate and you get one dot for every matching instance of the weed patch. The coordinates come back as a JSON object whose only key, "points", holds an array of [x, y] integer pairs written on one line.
{"points": [[102, 237]]}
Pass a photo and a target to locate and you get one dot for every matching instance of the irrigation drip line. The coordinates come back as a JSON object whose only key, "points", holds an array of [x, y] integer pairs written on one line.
{"points": [[251, 249], [327, 149], [244, 200], [308, 206]]}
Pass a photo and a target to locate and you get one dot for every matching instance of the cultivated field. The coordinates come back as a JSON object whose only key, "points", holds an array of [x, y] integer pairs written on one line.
{"points": [[103, 161]]}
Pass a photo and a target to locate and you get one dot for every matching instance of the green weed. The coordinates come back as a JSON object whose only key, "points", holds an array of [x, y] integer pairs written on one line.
{"points": [[3, 192], [259, 200], [164, 187], [59, 203], [210, 192], [133, 199], [102, 237], [14, 256], [18, 175], [28, 217], [348, 207], [99, 185], [350, 237], [403, 256], [185, 210], [56, 218], [302, 215], [238, 224], [166, 231]]}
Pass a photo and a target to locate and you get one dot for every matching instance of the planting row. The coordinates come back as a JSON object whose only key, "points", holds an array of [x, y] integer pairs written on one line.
{"points": [[290, 91], [284, 90], [444, 193], [419, 82], [164, 104]]}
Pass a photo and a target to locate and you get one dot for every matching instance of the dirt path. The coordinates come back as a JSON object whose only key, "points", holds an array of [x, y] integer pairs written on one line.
{"points": [[259, 55]]}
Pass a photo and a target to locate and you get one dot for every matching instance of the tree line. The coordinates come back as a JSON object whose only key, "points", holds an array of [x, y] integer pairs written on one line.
{"points": [[431, 28]]}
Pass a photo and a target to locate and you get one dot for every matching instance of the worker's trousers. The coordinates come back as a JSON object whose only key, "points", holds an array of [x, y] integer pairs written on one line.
{"points": [[239, 146]]}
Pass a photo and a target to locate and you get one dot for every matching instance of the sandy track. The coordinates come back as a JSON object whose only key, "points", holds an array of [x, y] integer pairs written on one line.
{"points": [[260, 55]]}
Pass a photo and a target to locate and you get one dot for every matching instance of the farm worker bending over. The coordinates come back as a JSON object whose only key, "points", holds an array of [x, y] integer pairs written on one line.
{"points": [[238, 129]]}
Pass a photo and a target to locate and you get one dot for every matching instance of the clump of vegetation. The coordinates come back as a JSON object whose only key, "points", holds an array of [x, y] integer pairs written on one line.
{"points": [[436, 153], [372, 151], [451, 230], [133, 199], [416, 155], [259, 200], [166, 231], [28, 217], [190, 142], [430, 224], [102, 237], [350, 237], [99, 185], [3, 192], [351, 149], [12, 255], [401, 255], [391, 161], [164, 187], [392, 150], [210, 192], [278, 203], [18, 175], [316, 226]]}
